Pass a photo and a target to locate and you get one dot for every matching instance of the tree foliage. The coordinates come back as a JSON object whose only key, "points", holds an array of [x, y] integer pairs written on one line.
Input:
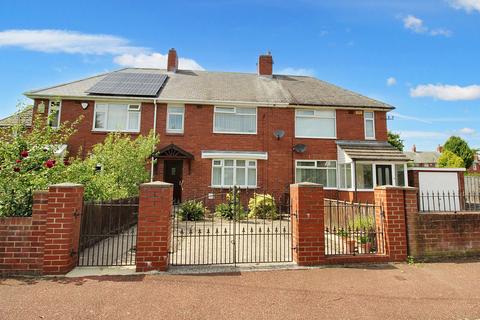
{"points": [[461, 148], [395, 140], [449, 159], [28, 162], [114, 168]]}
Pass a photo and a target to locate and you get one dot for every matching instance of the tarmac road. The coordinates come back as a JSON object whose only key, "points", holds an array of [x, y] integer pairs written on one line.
{"points": [[399, 291]]}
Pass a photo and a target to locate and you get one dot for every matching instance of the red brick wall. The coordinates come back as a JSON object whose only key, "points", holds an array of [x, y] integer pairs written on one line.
{"points": [[22, 240], [307, 210], [393, 203], [65, 204], [274, 175], [154, 226]]}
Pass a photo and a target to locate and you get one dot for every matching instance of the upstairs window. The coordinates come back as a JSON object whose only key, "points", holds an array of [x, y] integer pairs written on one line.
{"points": [[227, 173], [117, 117], [318, 171], [311, 123], [235, 120], [54, 109], [369, 117], [175, 118]]}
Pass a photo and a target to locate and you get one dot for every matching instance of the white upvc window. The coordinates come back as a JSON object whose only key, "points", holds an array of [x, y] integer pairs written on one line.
{"points": [[364, 176], [369, 119], [317, 171], [175, 118], [116, 117], [227, 173], [54, 111], [313, 123], [235, 120], [345, 175]]}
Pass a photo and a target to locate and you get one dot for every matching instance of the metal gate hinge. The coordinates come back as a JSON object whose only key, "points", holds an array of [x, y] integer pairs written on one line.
{"points": [[75, 213], [73, 253]]}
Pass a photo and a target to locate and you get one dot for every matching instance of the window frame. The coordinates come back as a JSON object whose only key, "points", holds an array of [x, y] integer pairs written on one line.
{"points": [[175, 131], [50, 112], [317, 117], [235, 112], [108, 103], [315, 167], [222, 175], [365, 120]]}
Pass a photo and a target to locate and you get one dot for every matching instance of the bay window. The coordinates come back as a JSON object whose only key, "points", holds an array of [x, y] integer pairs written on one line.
{"points": [[369, 117], [311, 123], [317, 171], [227, 173], [116, 117], [175, 118], [235, 120]]}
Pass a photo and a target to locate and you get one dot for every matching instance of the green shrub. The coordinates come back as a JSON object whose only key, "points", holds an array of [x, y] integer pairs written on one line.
{"points": [[262, 206], [362, 223], [231, 208], [192, 211]]}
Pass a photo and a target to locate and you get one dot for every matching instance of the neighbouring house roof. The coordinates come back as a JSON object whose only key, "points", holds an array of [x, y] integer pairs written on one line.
{"points": [[423, 156], [371, 151], [206, 86], [23, 117]]}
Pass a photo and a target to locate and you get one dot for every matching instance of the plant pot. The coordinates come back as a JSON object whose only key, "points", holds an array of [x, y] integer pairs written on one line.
{"points": [[367, 247]]}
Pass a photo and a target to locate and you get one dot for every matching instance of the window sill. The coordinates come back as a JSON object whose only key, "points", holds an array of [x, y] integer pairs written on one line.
{"points": [[236, 133], [238, 187], [110, 131], [179, 134], [322, 138]]}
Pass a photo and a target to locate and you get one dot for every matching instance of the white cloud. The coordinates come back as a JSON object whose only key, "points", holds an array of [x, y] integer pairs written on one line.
{"points": [[71, 42], [296, 71], [54, 41], [467, 5], [391, 81], [446, 92], [154, 60], [416, 24], [467, 131]]}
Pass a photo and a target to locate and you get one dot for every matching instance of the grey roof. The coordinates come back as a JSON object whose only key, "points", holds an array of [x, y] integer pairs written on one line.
{"points": [[371, 150], [23, 117], [423, 156], [187, 85]]}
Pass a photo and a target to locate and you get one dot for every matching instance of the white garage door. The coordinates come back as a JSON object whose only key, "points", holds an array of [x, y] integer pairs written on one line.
{"points": [[439, 191]]}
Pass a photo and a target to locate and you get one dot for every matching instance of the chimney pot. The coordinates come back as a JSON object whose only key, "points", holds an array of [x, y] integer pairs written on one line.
{"points": [[172, 63], [414, 148], [265, 65]]}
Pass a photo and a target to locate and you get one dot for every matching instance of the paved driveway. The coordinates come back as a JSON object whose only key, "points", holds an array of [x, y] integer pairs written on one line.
{"points": [[428, 291]]}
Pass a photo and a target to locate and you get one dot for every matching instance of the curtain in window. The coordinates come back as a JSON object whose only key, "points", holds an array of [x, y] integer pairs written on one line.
{"points": [[242, 121]]}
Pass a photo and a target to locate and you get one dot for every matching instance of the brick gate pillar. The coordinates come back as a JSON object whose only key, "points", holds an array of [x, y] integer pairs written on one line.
{"points": [[307, 210], [62, 228], [395, 202], [154, 226]]}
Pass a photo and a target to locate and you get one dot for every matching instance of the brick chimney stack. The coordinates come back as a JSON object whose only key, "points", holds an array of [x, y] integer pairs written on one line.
{"points": [[414, 148], [440, 149], [265, 65], [172, 63]]}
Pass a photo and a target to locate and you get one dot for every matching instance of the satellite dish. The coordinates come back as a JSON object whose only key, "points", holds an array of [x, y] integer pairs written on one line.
{"points": [[300, 148], [279, 134]]}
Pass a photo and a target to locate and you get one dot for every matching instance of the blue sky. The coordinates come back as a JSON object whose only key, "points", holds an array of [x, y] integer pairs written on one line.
{"points": [[420, 56]]}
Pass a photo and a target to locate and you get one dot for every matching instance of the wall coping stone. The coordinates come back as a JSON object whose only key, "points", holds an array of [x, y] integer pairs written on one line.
{"points": [[389, 187], [307, 184], [157, 184], [66, 185]]}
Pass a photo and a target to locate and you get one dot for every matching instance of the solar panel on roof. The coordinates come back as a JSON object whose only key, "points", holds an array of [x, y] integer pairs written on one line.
{"points": [[129, 84]]}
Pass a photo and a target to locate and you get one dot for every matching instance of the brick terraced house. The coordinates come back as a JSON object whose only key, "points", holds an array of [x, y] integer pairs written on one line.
{"points": [[258, 131]]}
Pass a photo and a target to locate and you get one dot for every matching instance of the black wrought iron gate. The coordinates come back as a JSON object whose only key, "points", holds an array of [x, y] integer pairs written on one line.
{"points": [[108, 233], [234, 227]]}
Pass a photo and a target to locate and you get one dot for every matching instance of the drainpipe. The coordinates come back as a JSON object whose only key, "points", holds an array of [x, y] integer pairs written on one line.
{"points": [[154, 135]]}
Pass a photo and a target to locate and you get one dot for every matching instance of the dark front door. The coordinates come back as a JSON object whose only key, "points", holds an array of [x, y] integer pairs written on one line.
{"points": [[384, 175], [173, 173]]}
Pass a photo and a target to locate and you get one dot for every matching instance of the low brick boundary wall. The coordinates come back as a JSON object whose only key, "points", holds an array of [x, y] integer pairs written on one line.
{"points": [[440, 235], [22, 240]]}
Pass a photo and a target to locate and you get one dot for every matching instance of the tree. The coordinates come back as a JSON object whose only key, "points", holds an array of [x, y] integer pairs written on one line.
{"points": [[114, 168], [395, 140], [28, 162], [449, 159], [461, 148]]}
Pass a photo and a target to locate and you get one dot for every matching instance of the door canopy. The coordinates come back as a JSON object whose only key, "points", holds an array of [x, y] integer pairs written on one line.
{"points": [[173, 152]]}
